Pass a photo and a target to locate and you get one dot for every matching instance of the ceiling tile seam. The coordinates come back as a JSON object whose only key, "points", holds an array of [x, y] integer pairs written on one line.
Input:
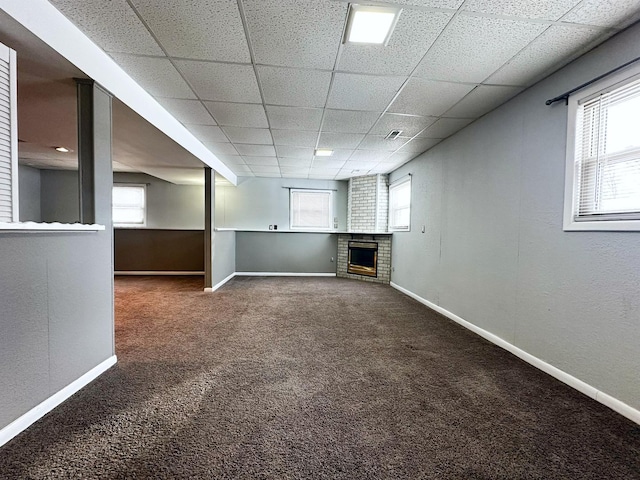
{"points": [[247, 34], [331, 82], [422, 8], [411, 75], [470, 13], [157, 40]]}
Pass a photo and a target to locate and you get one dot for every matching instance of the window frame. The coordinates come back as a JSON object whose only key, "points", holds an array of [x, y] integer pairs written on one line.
{"points": [[395, 186], [331, 218], [145, 207], [610, 222]]}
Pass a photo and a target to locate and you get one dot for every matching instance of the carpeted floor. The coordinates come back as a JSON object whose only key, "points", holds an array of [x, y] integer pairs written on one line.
{"points": [[317, 378]]}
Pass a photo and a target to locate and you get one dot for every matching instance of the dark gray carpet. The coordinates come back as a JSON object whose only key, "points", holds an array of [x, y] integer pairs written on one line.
{"points": [[314, 378]]}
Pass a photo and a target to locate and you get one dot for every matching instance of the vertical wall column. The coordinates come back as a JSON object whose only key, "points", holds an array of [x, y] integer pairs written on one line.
{"points": [[209, 231], [95, 169]]}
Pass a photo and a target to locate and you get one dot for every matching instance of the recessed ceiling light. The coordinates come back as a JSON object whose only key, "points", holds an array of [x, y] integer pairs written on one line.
{"points": [[62, 149], [323, 152], [369, 24]]}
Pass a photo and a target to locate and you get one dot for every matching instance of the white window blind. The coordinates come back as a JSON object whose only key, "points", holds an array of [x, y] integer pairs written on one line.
{"points": [[8, 136], [311, 209], [607, 156], [400, 205], [129, 205]]}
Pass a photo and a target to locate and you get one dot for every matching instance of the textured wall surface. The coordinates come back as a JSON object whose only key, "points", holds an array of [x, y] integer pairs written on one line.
{"points": [[495, 254], [29, 192]]}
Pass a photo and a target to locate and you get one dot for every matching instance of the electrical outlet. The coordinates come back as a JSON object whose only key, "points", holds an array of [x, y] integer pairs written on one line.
{"points": [[270, 227], [275, 227], [331, 259]]}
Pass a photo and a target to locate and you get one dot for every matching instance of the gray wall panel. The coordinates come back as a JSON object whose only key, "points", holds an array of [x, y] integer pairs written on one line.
{"points": [[29, 191], [257, 203], [59, 197], [505, 264], [286, 252], [224, 256]]}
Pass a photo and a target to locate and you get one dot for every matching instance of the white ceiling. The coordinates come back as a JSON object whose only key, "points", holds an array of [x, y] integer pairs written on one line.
{"points": [[261, 83]]}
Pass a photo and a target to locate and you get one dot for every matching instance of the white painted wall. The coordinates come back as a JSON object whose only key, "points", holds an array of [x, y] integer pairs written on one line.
{"points": [[495, 254]]}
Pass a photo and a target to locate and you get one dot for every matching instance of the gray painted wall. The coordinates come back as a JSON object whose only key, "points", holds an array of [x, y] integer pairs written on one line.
{"points": [[57, 299], [286, 252], [257, 203], [169, 206], [29, 191], [223, 256], [495, 254], [59, 197]]}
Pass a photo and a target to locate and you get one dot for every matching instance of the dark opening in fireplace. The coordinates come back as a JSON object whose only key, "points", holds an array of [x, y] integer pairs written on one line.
{"points": [[363, 258]]}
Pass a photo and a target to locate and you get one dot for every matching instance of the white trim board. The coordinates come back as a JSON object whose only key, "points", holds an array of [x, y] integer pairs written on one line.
{"points": [[219, 284], [283, 274], [155, 272], [583, 387], [40, 410]]}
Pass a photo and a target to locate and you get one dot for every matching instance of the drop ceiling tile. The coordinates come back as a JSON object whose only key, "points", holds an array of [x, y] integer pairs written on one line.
{"points": [[401, 157], [239, 169], [339, 154], [452, 4], [294, 152], [348, 121], [321, 177], [156, 75], [294, 170], [363, 92], [294, 33], [445, 127], [554, 48], [187, 111], [294, 118], [409, 125], [238, 114], [255, 150], [479, 45], [419, 145], [208, 133], [294, 88], [385, 167], [378, 142], [328, 172], [222, 82], [359, 165], [294, 175], [427, 97], [260, 160], [321, 162], [294, 162], [199, 29], [113, 25], [482, 100], [296, 138], [231, 159], [340, 140], [369, 156], [258, 136], [221, 148], [414, 33], [605, 13], [541, 9], [259, 169]]}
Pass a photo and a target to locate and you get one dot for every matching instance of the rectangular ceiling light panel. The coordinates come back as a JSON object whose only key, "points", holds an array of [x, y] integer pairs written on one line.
{"points": [[371, 24]]}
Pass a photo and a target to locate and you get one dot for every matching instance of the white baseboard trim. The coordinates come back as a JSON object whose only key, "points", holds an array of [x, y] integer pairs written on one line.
{"points": [[283, 274], [154, 272], [605, 399], [40, 410], [219, 284]]}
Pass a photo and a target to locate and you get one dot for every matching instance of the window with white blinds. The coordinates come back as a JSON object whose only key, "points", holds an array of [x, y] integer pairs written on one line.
{"points": [[400, 205], [129, 205], [605, 163], [8, 137], [311, 209]]}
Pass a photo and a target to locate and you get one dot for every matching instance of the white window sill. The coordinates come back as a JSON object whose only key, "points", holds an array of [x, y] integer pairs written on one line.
{"points": [[49, 227], [602, 226]]}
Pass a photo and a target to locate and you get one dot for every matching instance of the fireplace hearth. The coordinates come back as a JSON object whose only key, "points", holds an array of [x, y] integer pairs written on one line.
{"points": [[363, 258]]}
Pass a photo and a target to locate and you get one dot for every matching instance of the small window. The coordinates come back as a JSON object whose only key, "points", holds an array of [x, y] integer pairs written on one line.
{"points": [[311, 209], [400, 205], [129, 205], [603, 158]]}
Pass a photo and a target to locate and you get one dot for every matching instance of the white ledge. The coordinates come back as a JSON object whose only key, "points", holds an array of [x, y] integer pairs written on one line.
{"points": [[49, 227], [264, 230]]}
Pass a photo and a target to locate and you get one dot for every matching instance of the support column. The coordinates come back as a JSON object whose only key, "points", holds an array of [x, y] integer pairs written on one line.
{"points": [[209, 214], [95, 171]]}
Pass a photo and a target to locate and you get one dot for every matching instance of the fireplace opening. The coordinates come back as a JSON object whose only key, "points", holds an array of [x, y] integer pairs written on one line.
{"points": [[363, 258]]}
